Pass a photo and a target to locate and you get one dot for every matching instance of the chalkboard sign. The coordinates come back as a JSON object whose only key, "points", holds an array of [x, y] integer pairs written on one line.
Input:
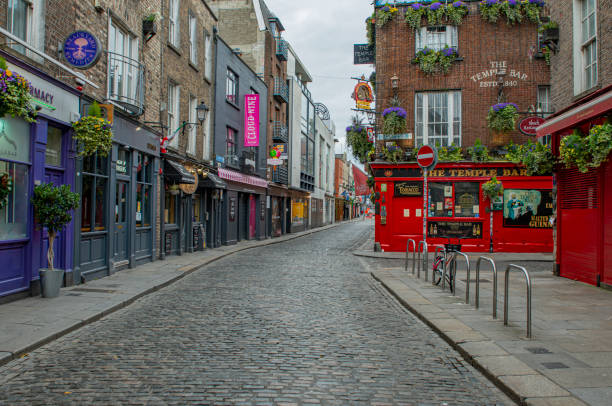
{"points": [[363, 54], [232, 209], [197, 236], [168, 243]]}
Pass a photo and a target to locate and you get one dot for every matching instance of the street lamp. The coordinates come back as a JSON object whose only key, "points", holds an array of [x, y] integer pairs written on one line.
{"points": [[394, 82], [201, 113]]}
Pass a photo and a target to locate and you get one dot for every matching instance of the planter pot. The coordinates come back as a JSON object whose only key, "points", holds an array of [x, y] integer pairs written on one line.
{"points": [[501, 139], [550, 34], [406, 144], [51, 281]]}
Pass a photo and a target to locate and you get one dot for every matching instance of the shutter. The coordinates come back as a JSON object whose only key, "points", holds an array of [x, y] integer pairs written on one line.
{"points": [[578, 190]]}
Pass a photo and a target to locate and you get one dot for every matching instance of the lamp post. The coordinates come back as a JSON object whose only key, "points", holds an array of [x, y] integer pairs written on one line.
{"points": [[201, 113]]}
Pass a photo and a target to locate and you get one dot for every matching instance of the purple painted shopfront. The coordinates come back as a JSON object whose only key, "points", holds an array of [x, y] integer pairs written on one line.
{"points": [[31, 154]]}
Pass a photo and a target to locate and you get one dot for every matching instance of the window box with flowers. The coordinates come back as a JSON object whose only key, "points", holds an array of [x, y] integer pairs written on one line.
{"points": [[149, 26], [537, 158], [478, 152], [15, 95], [93, 133], [433, 62], [385, 14], [515, 11], [393, 153], [436, 13], [587, 152]]}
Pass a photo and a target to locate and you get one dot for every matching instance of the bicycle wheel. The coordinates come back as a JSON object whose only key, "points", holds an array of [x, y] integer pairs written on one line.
{"points": [[437, 268]]}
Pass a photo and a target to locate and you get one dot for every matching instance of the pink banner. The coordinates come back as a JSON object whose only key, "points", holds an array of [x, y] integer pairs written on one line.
{"points": [[251, 120]]}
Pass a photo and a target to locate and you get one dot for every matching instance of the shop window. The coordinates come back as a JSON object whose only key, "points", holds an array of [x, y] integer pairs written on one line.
{"points": [[459, 199], [438, 118], [123, 162], [53, 152], [231, 89], [467, 198], [143, 190], [196, 203], [170, 209], [93, 195], [441, 200], [436, 38], [14, 213]]}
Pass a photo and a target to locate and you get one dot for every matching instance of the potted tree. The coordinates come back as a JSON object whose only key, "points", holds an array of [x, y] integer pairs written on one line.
{"points": [[52, 206]]}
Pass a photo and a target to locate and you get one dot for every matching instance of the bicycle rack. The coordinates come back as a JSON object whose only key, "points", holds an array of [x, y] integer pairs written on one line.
{"points": [[494, 283], [439, 248], [528, 281], [413, 254], [467, 285], [425, 250]]}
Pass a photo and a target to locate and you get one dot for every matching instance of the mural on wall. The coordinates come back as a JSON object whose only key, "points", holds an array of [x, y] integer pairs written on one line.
{"points": [[526, 208]]}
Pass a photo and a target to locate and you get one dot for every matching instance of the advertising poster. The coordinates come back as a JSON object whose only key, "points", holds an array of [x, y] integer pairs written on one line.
{"points": [[525, 208]]}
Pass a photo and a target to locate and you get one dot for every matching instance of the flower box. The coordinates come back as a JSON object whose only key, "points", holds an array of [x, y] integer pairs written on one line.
{"points": [[550, 34], [149, 29]]}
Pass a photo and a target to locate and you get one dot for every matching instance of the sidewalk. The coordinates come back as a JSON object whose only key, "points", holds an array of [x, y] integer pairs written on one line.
{"points": [[32, 322], [568, 360]]}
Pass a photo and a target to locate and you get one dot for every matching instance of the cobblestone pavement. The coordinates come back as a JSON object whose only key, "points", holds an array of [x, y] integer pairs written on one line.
{"points": [[300, 322]]}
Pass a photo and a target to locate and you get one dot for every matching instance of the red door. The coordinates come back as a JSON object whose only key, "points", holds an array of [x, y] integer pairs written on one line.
{"points": [[607, 224], [252, 217], [579, 221]]}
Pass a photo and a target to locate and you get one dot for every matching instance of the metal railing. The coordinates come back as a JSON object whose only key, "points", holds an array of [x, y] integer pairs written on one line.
{"points": [[494, 283], [280, 174], [232, 160], [425, 250], [506, 285], [126, 82], [282, 50], [281, 90], [280, 132], [413, 254]]}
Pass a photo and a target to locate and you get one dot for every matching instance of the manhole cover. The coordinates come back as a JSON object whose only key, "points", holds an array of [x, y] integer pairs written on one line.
{"points": [[554, 365], [538, 350], [92, 290]]}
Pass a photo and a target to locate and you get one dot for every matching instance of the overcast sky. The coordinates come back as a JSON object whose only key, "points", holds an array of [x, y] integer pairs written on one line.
{"points": [[322, 32]]}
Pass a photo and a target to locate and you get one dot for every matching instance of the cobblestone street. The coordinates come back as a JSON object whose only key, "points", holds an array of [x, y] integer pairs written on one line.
{"points": [[301, 322]]}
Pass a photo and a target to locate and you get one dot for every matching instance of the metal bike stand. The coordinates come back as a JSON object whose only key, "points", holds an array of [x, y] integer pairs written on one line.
{"points": [[467, 285], [439, 248], [494, 283], [413, 254], [451, 265], [528, 281], [425, 250]]}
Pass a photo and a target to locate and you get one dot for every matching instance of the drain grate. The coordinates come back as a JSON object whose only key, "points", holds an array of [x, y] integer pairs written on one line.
{"points": [[554, 365], [538, 350], [92, 290]]}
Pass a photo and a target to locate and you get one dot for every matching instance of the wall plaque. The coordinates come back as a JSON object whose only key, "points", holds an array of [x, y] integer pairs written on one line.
{"points": [[408, 189]]}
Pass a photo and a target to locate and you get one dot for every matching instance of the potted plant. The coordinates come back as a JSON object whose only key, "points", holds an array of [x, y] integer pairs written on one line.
{"points": [[479, 152], [492, 188], [550, 31], [452, 153], [93, 133], [394, 122], [149, 28], [393, 153], [501, 118], [15, 94], [456, 11], [52, 206], [435, 13], [587, 152], [6, 185], [573, 151]]}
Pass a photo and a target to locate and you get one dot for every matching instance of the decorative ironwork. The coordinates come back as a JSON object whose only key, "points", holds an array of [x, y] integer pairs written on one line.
{"points": [[322, 111], [282, 49], [126, 83], [280, 132], [281, 90]]}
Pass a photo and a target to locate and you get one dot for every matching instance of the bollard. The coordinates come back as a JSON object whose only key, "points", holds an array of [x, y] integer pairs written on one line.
{"points": [[528, 282]]}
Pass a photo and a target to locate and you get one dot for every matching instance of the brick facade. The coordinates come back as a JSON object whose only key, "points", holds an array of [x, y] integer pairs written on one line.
{"points": [[562, 63], [481, 45]]}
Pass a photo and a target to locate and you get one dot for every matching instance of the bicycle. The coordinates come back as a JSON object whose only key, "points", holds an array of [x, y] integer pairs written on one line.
{"points": [[439, 263]]}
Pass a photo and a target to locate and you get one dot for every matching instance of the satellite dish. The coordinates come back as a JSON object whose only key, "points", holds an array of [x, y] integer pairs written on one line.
{"points": [[322, 111]]}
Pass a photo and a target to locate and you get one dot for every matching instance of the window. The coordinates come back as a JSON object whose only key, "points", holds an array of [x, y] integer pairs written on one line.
{"points": [[230, 145], [93, 195], [173, 113], [123, 68], [193, 39], [589, 43], [543, 104], [196, 203], [307, 155], [304, 116], [459, 199], [436, 38], [53, 151], [173, 25], [170, 208], [122, 165], [329, 175], [206, 140], [143, 190], [193, 117], [438, 118], [19, 20], [321, 160], [231, 90], [208, 62]]}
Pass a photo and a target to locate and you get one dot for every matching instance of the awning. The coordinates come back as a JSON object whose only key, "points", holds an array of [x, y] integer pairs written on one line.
{"points": [[177, 173], [597, 104], [213, 181]]}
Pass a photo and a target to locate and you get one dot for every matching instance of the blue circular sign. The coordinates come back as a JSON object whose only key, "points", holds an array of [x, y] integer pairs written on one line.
{"points": [[82, 49]]}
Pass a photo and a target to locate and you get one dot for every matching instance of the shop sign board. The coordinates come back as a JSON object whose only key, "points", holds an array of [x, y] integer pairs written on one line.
{"points": [[528, 208], [82, 49], [363, 54], [394, 137], [529, 125], [454, 229], [251, 120], [363, 95], [449, 172], [408, 189]]}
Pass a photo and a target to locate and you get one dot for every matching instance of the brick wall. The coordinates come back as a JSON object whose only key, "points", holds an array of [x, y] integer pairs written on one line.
{"points": [[562, 63], [480, 44]]}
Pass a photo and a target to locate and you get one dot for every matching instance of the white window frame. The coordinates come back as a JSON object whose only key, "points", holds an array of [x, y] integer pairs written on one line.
{"points": [[207, 56], [543, 100], [425, 38], [193, 39], [127, 46], [193, 130], [34, 27], [586, 53], [174, 97], [422, 136], [206, 138], [174, 27]]}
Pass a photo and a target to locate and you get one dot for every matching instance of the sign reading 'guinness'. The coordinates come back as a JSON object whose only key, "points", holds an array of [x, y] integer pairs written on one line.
{"points": [[408, 189]]}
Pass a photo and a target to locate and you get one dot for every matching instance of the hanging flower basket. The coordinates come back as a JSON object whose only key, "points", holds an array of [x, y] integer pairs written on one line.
{"points": [[93, 135], [501, 119], [15, 95], [357, 140], [492, 188], [6, 185]]}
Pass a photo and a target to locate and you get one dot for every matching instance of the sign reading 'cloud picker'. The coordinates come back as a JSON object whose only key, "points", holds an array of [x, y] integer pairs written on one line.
{"points": [[251, 120]]}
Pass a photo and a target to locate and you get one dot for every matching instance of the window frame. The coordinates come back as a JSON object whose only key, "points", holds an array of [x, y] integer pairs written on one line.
{"points": [[208, 56], [102, 164], [193, 116], [450, 35], [231, 87], [193, 39], [453, 208], [174, 33], [451, 106], [127, 86], [174, 97], [146, 184], [231, 144]]}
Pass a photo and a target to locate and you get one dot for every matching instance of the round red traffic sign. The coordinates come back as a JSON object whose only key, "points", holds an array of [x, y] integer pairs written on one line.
{"points": [[427, 157]]}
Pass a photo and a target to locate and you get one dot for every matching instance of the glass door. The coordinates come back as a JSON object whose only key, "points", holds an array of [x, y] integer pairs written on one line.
{"points": [[121, 221]]}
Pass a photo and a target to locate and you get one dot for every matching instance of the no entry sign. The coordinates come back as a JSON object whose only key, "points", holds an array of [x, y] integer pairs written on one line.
{"points": [[427, 157]]}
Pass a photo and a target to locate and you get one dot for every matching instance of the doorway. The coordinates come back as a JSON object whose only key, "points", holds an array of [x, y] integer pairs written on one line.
{"points": [[121, 221], [252, 217]]}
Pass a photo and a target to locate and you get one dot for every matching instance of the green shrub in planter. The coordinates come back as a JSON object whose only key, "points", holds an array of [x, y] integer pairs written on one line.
{"points": [[52, 207], [452, 153], [479, 152]]}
